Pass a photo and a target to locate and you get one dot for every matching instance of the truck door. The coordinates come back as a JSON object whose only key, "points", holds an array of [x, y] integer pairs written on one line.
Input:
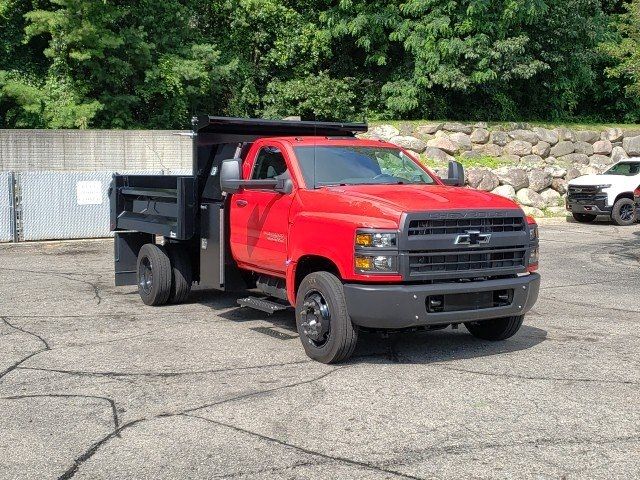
{"points": [[262, 216]]}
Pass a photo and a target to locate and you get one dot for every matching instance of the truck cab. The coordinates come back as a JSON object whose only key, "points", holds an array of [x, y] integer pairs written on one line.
{"points": [[609, 194], [354, 234]]}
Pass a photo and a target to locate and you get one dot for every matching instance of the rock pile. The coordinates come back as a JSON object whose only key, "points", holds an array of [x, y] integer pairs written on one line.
{"points": [[537, 162]]}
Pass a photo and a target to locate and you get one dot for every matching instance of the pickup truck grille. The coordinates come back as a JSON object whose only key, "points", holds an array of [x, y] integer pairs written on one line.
{"points": [[461, 225], [466, 260], [582, 193], [432, 247]]}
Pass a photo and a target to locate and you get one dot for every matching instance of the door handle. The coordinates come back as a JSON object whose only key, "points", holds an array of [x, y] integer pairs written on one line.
{"points": [[242, 203]]}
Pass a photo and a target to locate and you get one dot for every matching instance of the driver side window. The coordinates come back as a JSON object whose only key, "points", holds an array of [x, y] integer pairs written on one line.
{"points": [[269, 164]]}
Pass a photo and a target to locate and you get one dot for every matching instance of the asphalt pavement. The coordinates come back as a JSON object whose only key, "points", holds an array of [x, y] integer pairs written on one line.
{"points": [[95, 385]]}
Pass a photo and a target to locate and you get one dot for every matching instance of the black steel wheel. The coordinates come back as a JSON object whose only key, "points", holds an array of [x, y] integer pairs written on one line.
{"points": [[154, 274], [495, 329], [584, 217], [323, 322], [624, 212]]}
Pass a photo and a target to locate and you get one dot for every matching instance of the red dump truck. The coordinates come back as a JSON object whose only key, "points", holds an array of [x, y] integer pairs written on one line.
{"points": [[355, 234]]}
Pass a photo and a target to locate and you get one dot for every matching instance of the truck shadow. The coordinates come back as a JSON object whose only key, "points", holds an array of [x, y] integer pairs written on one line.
{"points": [[418, 347]]}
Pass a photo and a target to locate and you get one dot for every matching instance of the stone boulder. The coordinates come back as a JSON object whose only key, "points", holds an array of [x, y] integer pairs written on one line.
{"points": [[562, 148], [462, 141], [384, 132], [482, 179], [515, 177], [572, 173], [438, 155], [559, 185], [457, 127], [480, 135], [551, 197], [518, 147], [583, 147], [546, 135], [631, 145], [531, 161], [602, 147], [532, 211], [428, 129], [612, 134], [599, 160], [573, 158], [409, 142], [564, 134], [588, 136], [556, 171], [617, 154], [539, 179], [489, 149], [506, 191], [443, 143], [525, 136], [530, 198], [541, 148], [499, 138]]}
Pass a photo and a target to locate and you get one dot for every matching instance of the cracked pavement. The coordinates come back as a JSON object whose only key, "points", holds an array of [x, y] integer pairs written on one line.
{"points": [[96, 385]]}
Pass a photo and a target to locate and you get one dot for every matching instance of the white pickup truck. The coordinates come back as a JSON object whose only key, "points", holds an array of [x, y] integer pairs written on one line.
{"points": [[609, 194]]}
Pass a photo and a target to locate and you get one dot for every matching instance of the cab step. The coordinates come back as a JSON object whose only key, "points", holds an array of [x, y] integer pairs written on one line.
{"points": [[262, 304]]}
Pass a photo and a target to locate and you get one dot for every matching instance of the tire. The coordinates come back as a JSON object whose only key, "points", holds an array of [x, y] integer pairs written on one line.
{"points": [[496, 329], [181, 276], [333, 339], [154, 274], [584, 217], [624, 212]]}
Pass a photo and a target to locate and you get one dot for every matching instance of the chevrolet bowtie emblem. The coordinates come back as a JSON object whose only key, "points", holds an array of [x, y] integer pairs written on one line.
{"points": [[472, 237]]}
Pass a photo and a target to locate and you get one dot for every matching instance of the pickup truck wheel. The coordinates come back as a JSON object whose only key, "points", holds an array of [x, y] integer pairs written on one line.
{"points": [[495, 329], [584, 217], [154, 274], [624, 212], [181, 278], [323, 322]]}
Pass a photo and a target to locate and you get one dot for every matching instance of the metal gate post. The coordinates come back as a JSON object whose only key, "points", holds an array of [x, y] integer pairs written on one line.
{"points": [[13, 208]]}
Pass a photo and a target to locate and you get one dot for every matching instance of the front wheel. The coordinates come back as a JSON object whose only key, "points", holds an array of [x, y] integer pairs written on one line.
{"points": [[624, 212], [495, 329], [584, 217], [323, 322]]}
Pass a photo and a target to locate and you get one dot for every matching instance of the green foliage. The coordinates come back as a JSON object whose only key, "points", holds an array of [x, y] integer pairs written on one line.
{"points": [[117, 64]]}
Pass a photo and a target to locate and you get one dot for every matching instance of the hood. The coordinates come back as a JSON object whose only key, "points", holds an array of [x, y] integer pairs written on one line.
{"points": [[417, 198], [589, 180]]}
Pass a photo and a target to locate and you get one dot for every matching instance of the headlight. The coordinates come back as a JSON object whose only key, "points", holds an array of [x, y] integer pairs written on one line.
{"points": [[376, 239], [533, 232], [376, 263]]}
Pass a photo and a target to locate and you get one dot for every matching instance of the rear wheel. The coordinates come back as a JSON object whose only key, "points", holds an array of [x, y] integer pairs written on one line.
{"points": [[584, 217], [154, 274], [624, 212], [181, 277], [323, 322], [495, 329]]}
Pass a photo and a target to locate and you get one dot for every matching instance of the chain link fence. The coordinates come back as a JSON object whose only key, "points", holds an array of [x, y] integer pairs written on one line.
{"points": [[58, 205]]}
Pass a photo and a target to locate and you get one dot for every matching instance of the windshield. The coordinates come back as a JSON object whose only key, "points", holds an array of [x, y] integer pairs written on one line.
{"points": [[627, 169], [352, 165]]}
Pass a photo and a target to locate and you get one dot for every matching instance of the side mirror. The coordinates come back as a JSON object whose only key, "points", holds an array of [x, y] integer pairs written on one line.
{"points": [[456, 175], [230, 175]]}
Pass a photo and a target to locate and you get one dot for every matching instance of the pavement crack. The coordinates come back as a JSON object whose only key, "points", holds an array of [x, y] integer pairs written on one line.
{"points": [[164, 374], [532, 377], [73, 469], [315, 453], [66, 276], [112, 404], [45, 348]]}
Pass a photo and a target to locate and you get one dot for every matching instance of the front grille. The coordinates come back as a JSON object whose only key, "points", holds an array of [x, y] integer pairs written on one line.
{"points": [[466, 260], [583, 193], [462, 225]]}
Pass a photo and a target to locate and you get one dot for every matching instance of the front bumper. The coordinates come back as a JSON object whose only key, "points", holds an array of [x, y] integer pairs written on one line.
{"points": [[597, 205], [405, 306]]}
